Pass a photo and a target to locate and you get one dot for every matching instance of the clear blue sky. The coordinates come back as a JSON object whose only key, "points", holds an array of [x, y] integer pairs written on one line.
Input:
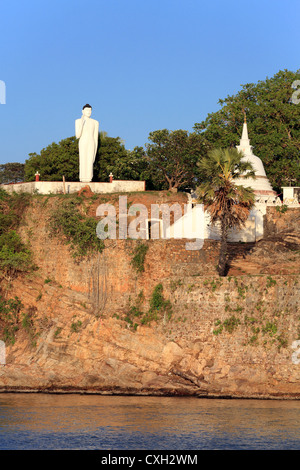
{"points": [[143, 65]]}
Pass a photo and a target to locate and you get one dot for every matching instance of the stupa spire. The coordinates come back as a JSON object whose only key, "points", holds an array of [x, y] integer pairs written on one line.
{"points": [[245, 146], [260, 184]]}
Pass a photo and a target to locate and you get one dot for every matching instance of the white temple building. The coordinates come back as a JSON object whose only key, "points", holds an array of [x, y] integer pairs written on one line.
{"points": [[264, 196]]}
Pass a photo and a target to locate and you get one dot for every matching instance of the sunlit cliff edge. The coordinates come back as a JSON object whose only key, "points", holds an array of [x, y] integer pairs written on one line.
{"points": [[173, 327]]}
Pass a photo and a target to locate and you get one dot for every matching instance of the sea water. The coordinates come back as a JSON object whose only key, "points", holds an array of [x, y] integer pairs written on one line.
{"points": [[51, 421]]}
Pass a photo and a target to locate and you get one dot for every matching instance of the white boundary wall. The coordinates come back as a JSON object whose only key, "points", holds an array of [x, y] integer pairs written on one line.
{"points": [[58, 187]]}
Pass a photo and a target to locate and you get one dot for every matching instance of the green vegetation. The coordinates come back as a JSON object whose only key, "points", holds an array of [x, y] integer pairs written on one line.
{"points": [[273, 125], [241, 288], [219, 330], [270, 282], [173, 156], [28, 324], [139, 254], [54, 162], [159, 308], [215, 284], [112, 157], [259, 328], [135, 312], [282, 209], [62, 159], [12, 173], [78, 230], [57, 332], [255, 326], [75, 326], [15, 256], [13, 318], [228, 204], [175, 284], [230, 324], [269, 328]]}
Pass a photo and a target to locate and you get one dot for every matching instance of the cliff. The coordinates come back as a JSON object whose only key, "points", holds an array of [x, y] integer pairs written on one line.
{"points": [[165, 324]]}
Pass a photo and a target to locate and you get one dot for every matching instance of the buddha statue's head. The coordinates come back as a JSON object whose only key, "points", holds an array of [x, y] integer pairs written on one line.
{"points": [[87, 110]]}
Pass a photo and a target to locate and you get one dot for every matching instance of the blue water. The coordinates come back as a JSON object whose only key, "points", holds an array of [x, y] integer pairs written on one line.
{"points": [[41, 421]]}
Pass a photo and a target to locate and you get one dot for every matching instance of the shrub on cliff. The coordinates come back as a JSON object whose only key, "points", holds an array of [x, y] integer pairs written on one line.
{"points": [[78, 230], [13, 318], [15, 256]]}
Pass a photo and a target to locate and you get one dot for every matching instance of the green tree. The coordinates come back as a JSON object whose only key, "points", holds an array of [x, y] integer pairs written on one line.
{"points": [[140, 168], [55, 161], [273, 125], [111, 157], [136, 166], [12, 173], [227, 203], [173, 155]]}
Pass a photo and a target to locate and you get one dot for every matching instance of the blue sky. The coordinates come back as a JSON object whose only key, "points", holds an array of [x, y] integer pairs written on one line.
{"points": [[143, 65]]}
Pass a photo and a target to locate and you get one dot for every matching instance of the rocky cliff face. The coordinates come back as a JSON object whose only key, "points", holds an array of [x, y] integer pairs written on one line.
{"points": [[99, 326]]}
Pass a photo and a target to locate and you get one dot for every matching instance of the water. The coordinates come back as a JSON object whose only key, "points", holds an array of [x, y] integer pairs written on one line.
{"points": [[41, 421]]}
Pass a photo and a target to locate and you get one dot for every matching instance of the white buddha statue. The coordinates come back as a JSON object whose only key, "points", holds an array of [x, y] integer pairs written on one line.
{"points": [[86, 130], [260, 184]]}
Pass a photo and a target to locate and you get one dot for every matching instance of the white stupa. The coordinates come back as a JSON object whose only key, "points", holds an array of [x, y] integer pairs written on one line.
{"points": [[260, 184]]}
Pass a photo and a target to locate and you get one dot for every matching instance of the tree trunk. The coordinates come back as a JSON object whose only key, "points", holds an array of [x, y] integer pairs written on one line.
{"points": [[223, 248]]}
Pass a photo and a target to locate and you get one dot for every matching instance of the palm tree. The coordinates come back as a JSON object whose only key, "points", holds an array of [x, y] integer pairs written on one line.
{"points": [[227, 203]]}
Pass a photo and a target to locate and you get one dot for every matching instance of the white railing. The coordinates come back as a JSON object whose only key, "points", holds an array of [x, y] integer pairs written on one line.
{"points": [[276, 201]]}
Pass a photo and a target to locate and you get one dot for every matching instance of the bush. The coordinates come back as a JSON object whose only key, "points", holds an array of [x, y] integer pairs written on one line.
{"points": [[158, 306], [79, 230], [15, 256], [9, 318], [138, 259]]}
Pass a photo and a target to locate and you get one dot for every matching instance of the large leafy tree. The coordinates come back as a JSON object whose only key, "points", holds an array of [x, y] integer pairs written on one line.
{"points": [[112, 157], [12, 173], [55, 161], [135, 166], [227, 203], [273, 123], [173, 156]]}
